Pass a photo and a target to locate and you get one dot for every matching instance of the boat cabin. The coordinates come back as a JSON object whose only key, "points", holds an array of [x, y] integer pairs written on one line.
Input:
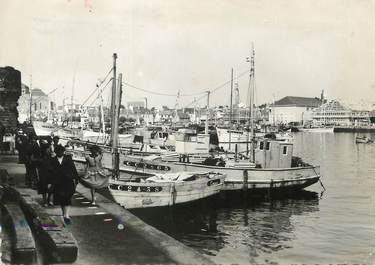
{"points": [[189, 142], [273, 154]]}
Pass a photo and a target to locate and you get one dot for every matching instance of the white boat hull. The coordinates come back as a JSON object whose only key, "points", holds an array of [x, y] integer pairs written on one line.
{"points": [[318, 130], [133, 195]]}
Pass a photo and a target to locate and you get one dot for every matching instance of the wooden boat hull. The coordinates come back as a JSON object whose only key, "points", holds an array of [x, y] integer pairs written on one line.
{"points": [[257, 178], [236, 178], [133, 195], [266, 186]]}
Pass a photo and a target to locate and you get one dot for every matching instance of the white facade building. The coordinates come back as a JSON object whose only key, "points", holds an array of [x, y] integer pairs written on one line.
{"points": [[293, 109]]}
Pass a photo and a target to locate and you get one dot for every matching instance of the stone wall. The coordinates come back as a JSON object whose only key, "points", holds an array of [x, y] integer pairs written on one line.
{"points": [[10, 91]]}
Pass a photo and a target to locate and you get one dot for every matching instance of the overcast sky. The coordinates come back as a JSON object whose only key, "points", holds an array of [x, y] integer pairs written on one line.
{"points": [[301, 46]]}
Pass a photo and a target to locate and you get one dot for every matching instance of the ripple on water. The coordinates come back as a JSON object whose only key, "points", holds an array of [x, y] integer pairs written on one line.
{"points": [[337, 228]]}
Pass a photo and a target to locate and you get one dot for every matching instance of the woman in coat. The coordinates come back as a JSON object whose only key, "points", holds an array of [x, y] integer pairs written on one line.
{"points": [[95, 176], [65, 179], [45, 176]]}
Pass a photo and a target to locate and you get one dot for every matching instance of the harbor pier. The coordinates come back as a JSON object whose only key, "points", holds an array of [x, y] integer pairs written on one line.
{"points": [[104, 233]]}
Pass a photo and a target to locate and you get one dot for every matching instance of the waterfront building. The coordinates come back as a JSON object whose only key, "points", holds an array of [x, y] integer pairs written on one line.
{"points": [[164, 116], [40, 101], [240, 115], [134, 105], [335, 113], [293, 110], [360, 117]]}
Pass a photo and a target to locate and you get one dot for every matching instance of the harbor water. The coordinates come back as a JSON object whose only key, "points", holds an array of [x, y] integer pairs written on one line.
{"points": [[336, 226]]}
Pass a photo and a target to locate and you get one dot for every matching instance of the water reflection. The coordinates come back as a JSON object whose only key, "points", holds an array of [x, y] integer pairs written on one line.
{"points": [[244, 226], [195, 224]]}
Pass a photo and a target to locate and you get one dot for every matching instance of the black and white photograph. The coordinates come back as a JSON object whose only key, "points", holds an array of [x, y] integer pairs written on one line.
{"points": [[208, 132]]}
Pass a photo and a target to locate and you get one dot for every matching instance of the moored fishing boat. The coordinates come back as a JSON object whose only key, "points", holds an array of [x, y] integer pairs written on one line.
{"points": [[166, 189], [363, 140], [274, 169]]}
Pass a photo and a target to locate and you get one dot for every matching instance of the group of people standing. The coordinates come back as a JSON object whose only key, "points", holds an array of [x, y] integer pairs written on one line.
{"points": [[48, 170]]}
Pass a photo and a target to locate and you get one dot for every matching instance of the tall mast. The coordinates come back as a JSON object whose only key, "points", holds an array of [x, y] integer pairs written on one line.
{"points": [[231, 108], [253, 105], [195, 110], [249, 113], [237, 110], [251, 89], [113, 96], [31, 98], [71, 100], [114, 125], [101, 110], [208, 112], [176, 105]]}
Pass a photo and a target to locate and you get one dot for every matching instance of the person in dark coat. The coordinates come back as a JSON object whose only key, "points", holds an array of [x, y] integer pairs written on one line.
{"points": [[45, 176], [33, 156], [54, 144], [65, 179], [21, 144]]}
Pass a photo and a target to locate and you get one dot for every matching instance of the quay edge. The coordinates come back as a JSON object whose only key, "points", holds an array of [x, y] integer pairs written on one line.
{"points": [[366, 129], [174, 249], [177, 252]]}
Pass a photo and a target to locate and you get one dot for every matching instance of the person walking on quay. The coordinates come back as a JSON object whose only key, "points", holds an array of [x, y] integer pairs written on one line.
{"points": [[33, 156], [65, 179], [2, 133], [45, 175], [95, 177], [21, 146], [55, 142], [50, 149]]}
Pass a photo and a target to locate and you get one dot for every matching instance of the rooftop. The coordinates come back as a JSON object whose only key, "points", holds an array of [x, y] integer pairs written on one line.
{"points": [[38, 92], [298, 102]]}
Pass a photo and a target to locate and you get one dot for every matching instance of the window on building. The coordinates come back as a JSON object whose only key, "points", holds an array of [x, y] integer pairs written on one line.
{"points": [[261, 145], [285, 150], [268, 146]]}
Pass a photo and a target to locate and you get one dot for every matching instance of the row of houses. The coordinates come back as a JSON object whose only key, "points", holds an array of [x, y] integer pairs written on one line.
{"points": [[290, 109], [296, 110]]}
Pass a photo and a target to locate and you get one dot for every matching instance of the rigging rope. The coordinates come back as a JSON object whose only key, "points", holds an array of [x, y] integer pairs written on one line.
{"points": [[161, 94], [110, 71], [216, 88], [93, 92], [203, 93], [41, 97]]}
